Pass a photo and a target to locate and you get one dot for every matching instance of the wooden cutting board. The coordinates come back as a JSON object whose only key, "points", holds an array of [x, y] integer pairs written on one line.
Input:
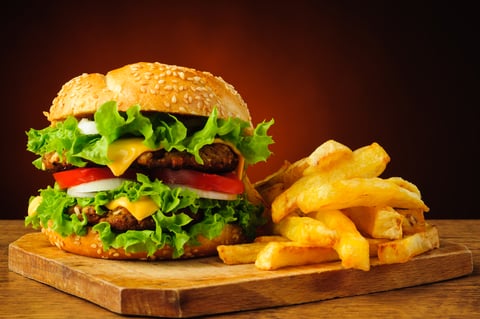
{"points": [[207, 286]]}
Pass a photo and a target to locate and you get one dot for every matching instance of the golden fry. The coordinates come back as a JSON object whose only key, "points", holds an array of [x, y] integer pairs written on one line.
{"points": [[413, 221], [377, 222], [240, 253], [367, 161], [311, 194], [277, 255], [352, 247], [306, 230], [402, 250], [327, 154], [373, 245]]}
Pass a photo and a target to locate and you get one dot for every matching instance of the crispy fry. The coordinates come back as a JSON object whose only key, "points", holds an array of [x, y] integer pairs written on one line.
{"points": [[311, 194], [373, 245], [352, 247], [282, 254], [326, 155], [402, 250], [376, 222], [413, 222], [306, 230], [366, 161], [240, 253]]}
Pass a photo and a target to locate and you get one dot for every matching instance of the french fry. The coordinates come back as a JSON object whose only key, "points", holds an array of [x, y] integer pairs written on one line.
{"points": [[352, 247], [413, 222], [376, 222], [402, 250], [307, 231], [277, 255], [240, 253], [311, 194], [373, 245], [366, 161], [324, 156]]}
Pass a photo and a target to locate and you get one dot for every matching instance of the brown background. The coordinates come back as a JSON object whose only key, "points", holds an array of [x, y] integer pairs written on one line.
{"points": [[400, 74]]}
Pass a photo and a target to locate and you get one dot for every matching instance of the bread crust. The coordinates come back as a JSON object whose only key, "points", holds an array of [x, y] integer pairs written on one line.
{"points": [[155, 87], [90, 245]]}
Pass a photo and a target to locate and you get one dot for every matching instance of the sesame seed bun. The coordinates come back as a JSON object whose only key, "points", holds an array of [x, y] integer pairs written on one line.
{"points": [[90, 245], [155, 87]]}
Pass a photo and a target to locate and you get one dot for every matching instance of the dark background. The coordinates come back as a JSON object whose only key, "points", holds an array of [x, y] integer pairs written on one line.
{"points": [[397, 72]]}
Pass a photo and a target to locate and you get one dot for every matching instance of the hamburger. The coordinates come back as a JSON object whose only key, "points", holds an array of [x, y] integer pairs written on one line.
{"points": [[149, 162]]}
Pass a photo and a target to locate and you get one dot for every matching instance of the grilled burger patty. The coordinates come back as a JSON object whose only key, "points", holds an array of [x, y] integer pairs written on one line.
{"points": [[217, 158]]}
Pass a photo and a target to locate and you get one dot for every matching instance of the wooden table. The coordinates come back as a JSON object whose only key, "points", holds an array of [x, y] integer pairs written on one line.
{"points": [[24, 298]]}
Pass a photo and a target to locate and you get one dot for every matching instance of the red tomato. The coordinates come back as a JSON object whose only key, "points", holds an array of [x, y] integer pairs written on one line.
{"points": [[76, 176], [226, 183]]}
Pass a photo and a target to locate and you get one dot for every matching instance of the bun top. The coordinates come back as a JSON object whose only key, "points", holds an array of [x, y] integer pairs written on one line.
{"points": [[155, 87]]}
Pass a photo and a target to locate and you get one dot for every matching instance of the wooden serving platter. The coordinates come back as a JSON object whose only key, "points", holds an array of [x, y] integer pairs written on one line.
{"points": [[204, 286]]}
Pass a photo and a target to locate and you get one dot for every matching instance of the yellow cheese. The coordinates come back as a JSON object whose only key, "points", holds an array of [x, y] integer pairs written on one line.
{"points": [[123, 152], [140, 209]]}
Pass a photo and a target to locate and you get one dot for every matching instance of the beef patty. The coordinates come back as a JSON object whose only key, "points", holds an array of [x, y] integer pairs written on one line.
{"points": [[217, 158]]}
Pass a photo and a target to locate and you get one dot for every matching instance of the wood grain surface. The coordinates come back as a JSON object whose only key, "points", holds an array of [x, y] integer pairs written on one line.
{"points": [[184, 288]]}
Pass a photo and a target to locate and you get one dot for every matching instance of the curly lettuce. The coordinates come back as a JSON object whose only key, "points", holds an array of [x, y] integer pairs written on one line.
{"points": [[157, 129]]}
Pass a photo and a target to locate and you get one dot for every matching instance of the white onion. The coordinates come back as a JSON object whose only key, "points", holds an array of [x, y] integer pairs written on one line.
{"points": [[87, 127], [208, 194], [89, 189]]}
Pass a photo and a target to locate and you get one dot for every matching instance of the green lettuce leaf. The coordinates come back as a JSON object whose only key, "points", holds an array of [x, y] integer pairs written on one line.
{"points": [[158, 131]]}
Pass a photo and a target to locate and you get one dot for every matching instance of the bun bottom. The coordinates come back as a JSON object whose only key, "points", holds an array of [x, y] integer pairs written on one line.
{"points": [[90, 245]]}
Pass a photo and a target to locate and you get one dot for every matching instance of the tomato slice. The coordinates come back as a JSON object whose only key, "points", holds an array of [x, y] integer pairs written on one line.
{"points": [[76, 176], [226, 183]]}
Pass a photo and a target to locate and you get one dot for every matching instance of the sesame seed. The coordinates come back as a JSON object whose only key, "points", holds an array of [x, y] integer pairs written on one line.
{"points": [[93, 245], [174, 98], [99, 251]]}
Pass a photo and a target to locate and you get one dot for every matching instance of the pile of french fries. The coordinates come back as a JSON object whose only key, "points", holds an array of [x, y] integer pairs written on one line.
{"points": [[333, 206]]}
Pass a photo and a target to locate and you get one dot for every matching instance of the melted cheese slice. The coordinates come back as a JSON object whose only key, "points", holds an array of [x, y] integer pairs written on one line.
{"points": [[140, 209], [123, 152]]}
